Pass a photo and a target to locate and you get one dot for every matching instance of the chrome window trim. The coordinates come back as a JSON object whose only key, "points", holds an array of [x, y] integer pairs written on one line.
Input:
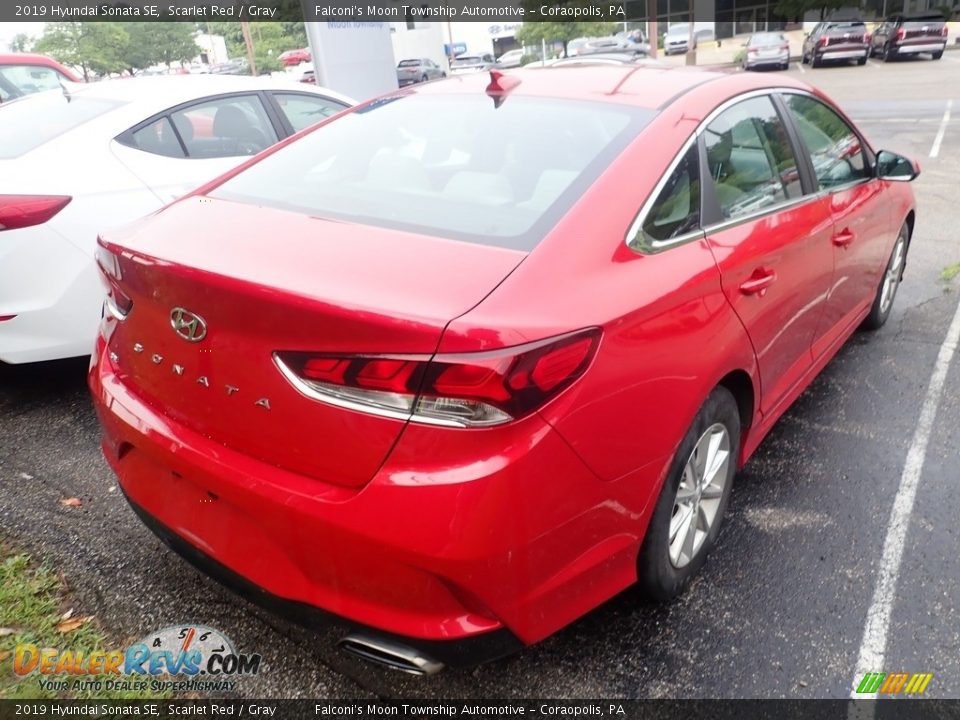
{"points": [[648, 248], [635, 239], [785, 205]]}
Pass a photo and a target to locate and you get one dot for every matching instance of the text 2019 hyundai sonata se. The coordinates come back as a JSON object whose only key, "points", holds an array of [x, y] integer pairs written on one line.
{"points": [[464, 362]]}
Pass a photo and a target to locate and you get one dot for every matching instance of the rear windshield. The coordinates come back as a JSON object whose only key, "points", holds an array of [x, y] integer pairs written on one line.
{"points": [[466, 60], [767, 40], [28, 123], [408, 63], [19, 80], [454, 166]]}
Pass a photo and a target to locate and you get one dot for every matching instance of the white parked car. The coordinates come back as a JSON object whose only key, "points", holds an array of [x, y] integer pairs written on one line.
{"points": [[81, 160], [677, 38], [463, 64]]}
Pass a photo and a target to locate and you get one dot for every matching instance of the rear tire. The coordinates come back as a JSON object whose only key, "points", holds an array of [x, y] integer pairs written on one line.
{"points": [[937, 55], [689, 512], [887, 54], [862, 61], [423, 78], [815, 61], [889, 282]]}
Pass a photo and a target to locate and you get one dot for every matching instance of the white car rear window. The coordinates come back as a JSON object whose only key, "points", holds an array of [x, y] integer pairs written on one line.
{"points": [[30, 122]]}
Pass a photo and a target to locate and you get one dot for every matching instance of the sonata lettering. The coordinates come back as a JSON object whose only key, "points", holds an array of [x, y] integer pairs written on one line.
{"points": [[180, 371]]}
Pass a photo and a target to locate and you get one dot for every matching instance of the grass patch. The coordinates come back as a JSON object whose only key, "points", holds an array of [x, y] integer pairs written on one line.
{"points": [[32, 605], [950, 272]]}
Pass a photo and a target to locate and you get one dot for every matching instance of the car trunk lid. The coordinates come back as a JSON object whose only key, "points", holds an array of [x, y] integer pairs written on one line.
{"points": [[262, 281]]}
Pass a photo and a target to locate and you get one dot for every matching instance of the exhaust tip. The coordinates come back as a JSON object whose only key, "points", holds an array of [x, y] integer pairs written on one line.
{"points": [[389, 654]]}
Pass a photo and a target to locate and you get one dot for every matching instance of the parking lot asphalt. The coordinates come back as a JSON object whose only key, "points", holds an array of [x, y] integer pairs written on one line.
{"points": [[781, 606]]}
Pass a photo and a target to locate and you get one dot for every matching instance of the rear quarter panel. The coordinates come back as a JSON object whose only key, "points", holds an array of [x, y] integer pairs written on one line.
{"points": [[669, 334]]}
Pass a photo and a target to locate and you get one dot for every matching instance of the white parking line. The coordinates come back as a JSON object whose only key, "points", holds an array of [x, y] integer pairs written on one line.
{"points": [[874, 645], [935, 150], [800, 68]]}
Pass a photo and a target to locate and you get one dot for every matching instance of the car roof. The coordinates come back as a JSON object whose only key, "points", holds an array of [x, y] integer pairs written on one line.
{"points": [[38, 60], [26, 59], [648, 87], [169, 90]]}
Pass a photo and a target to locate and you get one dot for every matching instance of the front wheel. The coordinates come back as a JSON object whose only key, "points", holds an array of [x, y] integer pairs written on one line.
{"points": [[687, 518], [889, 283]]}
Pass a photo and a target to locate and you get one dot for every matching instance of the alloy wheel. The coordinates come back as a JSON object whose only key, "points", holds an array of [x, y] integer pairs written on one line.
{"points": [[697, 503], [891, 279]]}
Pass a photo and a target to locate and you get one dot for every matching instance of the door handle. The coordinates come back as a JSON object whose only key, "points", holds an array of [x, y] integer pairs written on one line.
{"points": [[758, 283], [843, 238]]}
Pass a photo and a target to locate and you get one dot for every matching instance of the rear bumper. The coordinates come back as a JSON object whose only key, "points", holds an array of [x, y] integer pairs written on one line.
{"points": [[455, 653], [926, 47], [851, 54], [783, 59], [459, 536]]}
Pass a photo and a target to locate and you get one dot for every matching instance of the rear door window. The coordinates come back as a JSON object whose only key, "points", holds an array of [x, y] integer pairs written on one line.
{"points": [[225, 127], [159, 138], [750, 159]]}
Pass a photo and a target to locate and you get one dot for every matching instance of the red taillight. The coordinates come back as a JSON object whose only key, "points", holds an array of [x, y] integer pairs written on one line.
{"points": [[824, 41], [901, 33], [20, 211], [464, 390], [118, 303], [784, 48], [944, 31]]}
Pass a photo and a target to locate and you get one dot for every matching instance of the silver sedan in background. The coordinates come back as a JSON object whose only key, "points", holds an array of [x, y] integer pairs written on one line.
{"points": [[417, 70], [767, 49]]}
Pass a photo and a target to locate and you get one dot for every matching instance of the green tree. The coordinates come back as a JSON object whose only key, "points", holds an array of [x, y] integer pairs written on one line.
{"points": [[534, 33], [163, 42], [21, 43], [96, 47], [269, 40]]}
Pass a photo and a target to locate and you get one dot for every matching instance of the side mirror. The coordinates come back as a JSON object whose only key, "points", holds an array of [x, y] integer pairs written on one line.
{"points": [[891, 166]]}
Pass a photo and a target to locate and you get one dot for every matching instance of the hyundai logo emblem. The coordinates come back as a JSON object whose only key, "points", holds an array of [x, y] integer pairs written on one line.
{"points": [[190, 326]]}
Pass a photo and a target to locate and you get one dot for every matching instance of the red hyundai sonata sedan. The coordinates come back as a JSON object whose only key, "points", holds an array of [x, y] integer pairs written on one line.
{"points": [[462, 363]]}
